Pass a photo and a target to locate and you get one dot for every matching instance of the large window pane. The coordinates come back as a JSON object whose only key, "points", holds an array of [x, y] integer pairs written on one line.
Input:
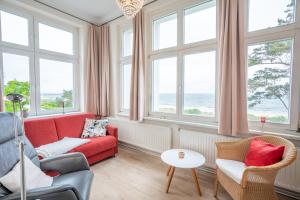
{"points": [[198, 17], [199, 84], [56, 84], [53, 39], [165, 32], [126, 86], [14, 29], [280, 12], [16, 78], [269, 77], [127, 42], [164, 85]]}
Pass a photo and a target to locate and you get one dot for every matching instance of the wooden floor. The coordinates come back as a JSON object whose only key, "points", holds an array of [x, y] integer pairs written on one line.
{"points": [[134, 175]]}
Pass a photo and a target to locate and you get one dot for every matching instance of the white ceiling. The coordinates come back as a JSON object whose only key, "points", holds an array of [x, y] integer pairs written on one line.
{"points": [[94, 11]]}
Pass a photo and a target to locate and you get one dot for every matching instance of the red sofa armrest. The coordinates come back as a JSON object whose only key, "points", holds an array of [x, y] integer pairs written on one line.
{"points": [[113, 131]]}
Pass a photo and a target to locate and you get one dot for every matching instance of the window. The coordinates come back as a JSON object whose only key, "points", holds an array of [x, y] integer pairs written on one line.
{"points": [[164, 85], [126, 86], [199, 84], [125, 68], [16, 70], [54, 39], [54, 93], [14, 29], [46, 74], [127, 42], [282, 12], [162, 28], [271, 65], [183, 77], [197, 17], [269, 80]]}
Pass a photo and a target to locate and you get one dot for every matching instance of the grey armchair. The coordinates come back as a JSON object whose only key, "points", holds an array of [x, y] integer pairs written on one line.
{"points": [[73, 183]]}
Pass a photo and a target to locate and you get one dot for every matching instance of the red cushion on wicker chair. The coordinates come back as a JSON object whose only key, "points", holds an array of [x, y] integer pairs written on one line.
{"points": [[262, 153]]}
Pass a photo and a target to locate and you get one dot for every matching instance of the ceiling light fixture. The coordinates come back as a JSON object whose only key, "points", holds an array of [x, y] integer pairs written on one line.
{"points": [[130, 7]]}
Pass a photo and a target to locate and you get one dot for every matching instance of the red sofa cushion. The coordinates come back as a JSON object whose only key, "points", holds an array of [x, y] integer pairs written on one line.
{"points": [[71, 125], [40, 131], [96, 145], [262, 153]]}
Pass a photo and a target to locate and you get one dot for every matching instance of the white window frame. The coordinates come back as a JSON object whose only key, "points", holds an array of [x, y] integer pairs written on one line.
{"points": [[25, 15], [178, 51], [273, 34], [123, 60], [35, 53], [32, 76]]}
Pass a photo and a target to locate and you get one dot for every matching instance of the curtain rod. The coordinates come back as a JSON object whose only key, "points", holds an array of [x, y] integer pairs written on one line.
{"points": [[84, 19]]}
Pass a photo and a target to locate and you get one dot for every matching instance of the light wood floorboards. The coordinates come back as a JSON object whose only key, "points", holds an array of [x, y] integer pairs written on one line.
{"points": [[135, 175]]}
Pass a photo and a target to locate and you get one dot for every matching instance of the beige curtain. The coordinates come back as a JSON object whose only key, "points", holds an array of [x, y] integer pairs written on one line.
{"points": [[138, 70], [232, 94], [98, 71]]}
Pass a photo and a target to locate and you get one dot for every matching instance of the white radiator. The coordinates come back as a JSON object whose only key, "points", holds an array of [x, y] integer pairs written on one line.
{"points": [[150, 137], [204, 143]]}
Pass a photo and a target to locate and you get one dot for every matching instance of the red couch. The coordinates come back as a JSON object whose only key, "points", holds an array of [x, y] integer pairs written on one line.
{"points": [[46, 130]]}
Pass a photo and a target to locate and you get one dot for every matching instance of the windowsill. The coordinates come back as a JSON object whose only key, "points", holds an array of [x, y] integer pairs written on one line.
{"points": [[52, 114], [123, 114], [213, 127]]}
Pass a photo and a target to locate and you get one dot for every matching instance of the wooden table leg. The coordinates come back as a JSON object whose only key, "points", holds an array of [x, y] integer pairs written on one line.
{"points": [[216, 187], [169, 170], [196, 181], [170, 178]]}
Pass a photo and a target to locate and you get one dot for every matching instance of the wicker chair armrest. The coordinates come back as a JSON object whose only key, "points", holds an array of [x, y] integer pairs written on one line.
{"points": [[232, 150], [263, 175], [269, 172]]}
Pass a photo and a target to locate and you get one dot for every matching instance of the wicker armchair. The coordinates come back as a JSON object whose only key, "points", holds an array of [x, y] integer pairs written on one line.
{"points": [[257, 183]]}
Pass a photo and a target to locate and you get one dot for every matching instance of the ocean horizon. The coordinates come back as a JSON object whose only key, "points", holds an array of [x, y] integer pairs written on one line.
{"points": [[196, 100]]}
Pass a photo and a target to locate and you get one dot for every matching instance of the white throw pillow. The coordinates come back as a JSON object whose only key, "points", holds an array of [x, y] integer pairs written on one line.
{"points": [[94, 128], [60, 147], [34, 177]]}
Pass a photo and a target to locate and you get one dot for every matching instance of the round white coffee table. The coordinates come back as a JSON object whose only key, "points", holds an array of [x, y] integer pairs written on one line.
{"points": [[191, 160]]}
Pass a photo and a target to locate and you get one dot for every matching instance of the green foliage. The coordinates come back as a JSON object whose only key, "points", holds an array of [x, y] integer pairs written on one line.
{"points": [[67, 98], [196, 111], [49, 105], [19, 87], [23, 88]]}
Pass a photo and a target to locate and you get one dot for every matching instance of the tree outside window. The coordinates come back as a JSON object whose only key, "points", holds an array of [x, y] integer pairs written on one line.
{"points": [[269, 73]]}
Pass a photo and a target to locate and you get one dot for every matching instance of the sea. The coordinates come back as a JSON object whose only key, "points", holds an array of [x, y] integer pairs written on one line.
{"points": [[207, 100]]}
